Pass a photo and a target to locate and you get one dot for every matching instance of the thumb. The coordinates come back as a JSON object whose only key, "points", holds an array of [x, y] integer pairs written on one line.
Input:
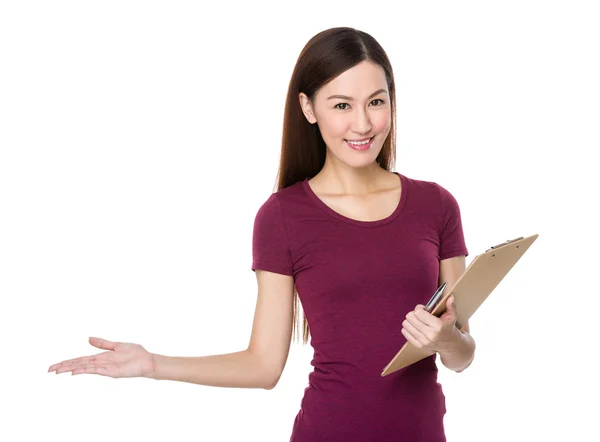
{"points": [[102, 343], [450, 313]]}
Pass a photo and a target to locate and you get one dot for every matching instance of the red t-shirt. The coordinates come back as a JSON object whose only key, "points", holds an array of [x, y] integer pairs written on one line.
{"points": [[356, 281]]}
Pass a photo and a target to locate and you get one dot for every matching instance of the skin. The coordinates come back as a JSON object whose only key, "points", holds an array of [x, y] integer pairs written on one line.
{"points": [[346, 171], [122, 360]]}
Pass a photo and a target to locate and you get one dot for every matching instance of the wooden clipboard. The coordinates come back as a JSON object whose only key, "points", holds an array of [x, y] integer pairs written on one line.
{"points": [[471, 289]]}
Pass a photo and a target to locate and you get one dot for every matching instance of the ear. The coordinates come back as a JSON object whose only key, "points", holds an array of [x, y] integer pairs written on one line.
{"points": [[307, 109]]}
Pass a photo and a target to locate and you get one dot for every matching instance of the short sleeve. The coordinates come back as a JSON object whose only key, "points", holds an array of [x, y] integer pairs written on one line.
{"points": [[270, 249], [451, 235]]}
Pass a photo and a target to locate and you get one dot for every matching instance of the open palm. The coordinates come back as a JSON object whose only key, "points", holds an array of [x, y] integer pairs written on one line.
{"points": [[122, 360]]}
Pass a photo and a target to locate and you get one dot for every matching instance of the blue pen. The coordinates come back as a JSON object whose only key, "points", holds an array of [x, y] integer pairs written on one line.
{"points": [[435, 298]]}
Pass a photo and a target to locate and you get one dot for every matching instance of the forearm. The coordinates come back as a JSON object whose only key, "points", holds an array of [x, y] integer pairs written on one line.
{"points": [[459, 356], [241, 369]]}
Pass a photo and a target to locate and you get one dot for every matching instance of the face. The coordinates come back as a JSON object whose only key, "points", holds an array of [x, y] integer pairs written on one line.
{"points": [[359, 109]]}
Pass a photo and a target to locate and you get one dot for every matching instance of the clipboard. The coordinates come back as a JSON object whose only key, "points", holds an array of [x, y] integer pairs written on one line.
{"points": [[470, 290]]}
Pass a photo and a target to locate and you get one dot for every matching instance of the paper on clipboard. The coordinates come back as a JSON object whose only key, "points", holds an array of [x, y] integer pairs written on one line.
{"points": [[471, 289]]}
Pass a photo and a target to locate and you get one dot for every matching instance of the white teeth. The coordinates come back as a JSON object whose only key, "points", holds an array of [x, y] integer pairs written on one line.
{"points": [[359, 143]]}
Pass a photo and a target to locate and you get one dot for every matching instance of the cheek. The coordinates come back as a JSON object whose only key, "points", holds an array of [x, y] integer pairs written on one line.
{"points": [[336, 127], [381, 123]]}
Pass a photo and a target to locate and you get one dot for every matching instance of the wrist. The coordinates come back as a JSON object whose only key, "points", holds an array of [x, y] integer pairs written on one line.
{"points": [[454, 344], [155, 362]]}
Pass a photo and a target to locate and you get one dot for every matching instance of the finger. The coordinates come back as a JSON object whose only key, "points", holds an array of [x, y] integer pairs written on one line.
{"points": [[68, 366], [421, 319], [74, 361], [103, 343], [428, 319], [90, 369], [65, 368], [450, 312], [410, 338], [84, 368], [100, 357], [418, 334], [96, 342]]}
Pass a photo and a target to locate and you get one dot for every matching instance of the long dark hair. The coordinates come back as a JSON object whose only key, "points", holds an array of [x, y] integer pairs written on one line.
{"points": [[324, 57]]}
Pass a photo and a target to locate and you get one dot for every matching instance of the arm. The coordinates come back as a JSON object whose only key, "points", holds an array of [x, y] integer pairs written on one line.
{"points": [[459, 356], [261, 364], [241, 369]]}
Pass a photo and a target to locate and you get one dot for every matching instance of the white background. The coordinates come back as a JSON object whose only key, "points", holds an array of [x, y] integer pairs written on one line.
{"points": [[138, 140]]}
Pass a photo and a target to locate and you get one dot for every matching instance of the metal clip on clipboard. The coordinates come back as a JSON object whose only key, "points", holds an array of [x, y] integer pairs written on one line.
{"points": [[504, 243]]}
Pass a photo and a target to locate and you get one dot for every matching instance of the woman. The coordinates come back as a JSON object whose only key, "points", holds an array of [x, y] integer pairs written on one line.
{"points": [[361, 247]]}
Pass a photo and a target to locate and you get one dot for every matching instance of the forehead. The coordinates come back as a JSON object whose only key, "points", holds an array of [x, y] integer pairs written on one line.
{"points": [[359, 81]]}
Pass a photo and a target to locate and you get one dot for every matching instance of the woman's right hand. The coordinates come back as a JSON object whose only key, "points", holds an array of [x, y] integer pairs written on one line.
{"points": [[122, 360]]}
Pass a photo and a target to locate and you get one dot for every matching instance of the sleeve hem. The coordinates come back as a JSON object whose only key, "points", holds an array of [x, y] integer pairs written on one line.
{"points": [[272, 267], [453, 253]]}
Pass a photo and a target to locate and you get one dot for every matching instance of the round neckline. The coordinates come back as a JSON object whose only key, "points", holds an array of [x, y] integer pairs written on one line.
{"points": [[380, 222]]}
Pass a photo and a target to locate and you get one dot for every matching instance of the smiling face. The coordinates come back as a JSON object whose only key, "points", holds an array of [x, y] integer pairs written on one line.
{"points": [[353, 106]]}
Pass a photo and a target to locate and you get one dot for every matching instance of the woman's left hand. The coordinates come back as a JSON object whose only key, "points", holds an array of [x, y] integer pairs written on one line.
{"points": [[424, 330]]}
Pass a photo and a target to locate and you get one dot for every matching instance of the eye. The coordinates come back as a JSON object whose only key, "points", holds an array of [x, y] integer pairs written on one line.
{"points": [[346, 104], [340, 104]]}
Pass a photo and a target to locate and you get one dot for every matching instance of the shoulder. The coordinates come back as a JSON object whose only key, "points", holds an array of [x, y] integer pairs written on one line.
{"points": [[430, 190], [430, 198], [276, 202], [423, 191]]}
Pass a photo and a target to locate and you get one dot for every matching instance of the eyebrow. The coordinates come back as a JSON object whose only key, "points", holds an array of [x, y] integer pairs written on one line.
{"points": [[344, 97]]}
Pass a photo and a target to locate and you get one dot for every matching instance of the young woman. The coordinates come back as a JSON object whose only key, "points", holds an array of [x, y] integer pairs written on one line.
{"points": [[361, 247]]}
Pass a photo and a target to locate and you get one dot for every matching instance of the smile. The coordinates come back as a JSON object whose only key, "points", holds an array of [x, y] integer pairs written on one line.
{"points": [[360, 145]]}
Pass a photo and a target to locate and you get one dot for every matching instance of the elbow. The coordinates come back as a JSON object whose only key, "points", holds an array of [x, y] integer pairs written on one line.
{"points": [[466, 366], [272, 382]]}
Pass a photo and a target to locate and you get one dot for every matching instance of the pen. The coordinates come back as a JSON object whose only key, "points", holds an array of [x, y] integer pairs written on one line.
{"points": [[435, 298]]}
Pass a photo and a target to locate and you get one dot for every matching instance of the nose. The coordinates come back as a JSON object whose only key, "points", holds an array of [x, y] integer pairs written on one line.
{"points": [[361, 124]]}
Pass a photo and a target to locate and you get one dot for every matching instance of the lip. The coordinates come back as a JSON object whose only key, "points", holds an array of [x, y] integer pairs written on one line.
{"points": [[364, 147], [362, 139]]}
